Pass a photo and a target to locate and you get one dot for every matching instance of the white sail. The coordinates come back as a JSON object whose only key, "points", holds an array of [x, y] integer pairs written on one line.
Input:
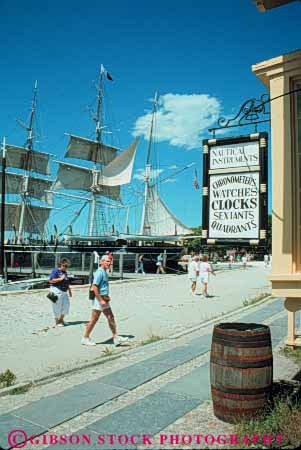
{"points": [[16, 183], [70, 176], [34, 220], [158, 220], [25, 159], [119, 171], [90, 150]]}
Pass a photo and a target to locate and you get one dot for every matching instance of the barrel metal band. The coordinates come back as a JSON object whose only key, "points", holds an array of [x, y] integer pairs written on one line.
{"points": [[241, 344], [235, 337], [220, 390], [242, 364]]}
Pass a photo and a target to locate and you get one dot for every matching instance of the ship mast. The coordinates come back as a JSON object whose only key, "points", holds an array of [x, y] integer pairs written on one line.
{"points": [[29, 146], [98, 129], [148, 164]]}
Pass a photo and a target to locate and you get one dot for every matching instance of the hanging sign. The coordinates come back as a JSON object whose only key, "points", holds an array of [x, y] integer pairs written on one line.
{"points": [[235, 189]]}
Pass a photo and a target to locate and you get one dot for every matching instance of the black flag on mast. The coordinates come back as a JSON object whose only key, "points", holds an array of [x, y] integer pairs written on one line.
{"points": [[106, 73], [195, 181]]}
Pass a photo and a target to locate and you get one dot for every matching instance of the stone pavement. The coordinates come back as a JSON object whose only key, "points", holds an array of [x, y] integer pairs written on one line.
{"points": [[157, 387]]}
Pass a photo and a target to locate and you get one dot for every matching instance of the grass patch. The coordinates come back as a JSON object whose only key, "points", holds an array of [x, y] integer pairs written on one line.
{"points": [[284, 420], [292, 353], [108, 352], [20, 390], [257, 298], [7, 378], [152, 338]]}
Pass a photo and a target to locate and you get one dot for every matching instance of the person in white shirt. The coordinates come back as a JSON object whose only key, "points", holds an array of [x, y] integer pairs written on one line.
{"points": [[266, 260], [205, 268], [193, 273], [244, 261]]}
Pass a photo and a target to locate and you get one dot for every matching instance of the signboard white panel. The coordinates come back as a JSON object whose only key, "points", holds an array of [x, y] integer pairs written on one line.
{"points": [[234, 206], [244, 154]]}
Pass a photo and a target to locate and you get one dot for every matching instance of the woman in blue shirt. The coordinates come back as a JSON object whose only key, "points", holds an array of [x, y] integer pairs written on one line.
{"points": [[159, 264], [60, 285]]}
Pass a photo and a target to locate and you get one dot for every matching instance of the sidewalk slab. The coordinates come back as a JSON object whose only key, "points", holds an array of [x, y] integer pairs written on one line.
{"points": [[140, 373], [279, 328], [196, 384], [146, 416], [51, 411], [264, 313], [9, 423], [135, 375]]}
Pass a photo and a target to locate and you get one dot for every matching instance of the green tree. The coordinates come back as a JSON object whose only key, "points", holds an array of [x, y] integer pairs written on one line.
{"points": [[195, 244]]}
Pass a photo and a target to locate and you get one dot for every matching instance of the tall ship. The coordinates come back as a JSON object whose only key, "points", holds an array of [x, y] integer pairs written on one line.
{"points": [[93, 173], [100, 185], [27, 213]]}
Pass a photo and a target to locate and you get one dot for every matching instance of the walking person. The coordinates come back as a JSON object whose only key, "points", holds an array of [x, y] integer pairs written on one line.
{"points": [[266, 260], [101, 303], [60, 286], [244, 261], [140, 265], [193, 273], [231, 260], [159, 264], [205, 268]]}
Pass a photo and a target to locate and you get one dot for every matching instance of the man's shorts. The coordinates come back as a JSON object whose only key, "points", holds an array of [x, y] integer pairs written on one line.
{"points": [[98, 307], [193, 278]]}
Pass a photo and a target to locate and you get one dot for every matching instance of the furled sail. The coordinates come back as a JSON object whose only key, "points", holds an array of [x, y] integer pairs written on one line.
{"points": [[90, 150], [70, 176], [119, 171], [159, 220], [25, 159], [36, 187], [34, 220]]}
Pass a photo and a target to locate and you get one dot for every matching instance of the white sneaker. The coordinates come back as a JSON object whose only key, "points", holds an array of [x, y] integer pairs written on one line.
{"points": [[87, 341], [120, 340]]}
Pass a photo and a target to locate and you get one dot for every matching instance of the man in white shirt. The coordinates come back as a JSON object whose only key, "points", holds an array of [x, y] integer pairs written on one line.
{"points": [[193, 273]]}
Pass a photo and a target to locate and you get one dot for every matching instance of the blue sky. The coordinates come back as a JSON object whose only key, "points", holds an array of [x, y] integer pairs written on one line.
{"points": [[197, 54]]}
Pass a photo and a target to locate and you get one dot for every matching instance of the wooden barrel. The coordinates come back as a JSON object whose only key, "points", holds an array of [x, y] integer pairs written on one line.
{"points": [[241, 370]]}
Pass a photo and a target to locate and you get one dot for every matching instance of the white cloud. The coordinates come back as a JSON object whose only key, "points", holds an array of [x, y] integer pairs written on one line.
{"points": [[154, 173], [170, 180], [181, 119]]}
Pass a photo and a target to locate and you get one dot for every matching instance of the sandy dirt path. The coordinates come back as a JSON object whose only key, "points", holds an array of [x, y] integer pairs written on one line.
{"points": [[31, 347]]}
